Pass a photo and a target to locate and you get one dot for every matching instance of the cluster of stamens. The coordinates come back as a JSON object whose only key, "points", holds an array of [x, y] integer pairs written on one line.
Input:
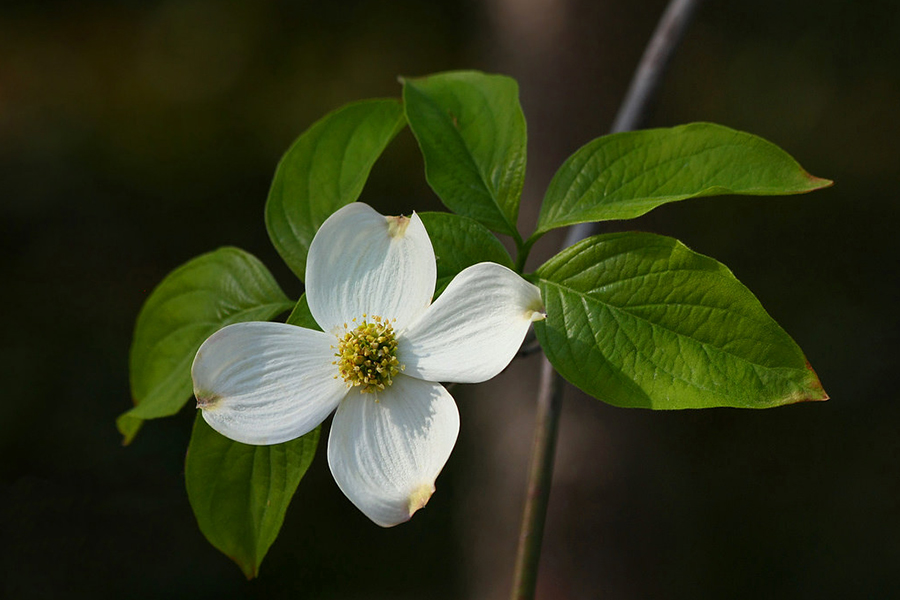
{"points": [[367, 355]]}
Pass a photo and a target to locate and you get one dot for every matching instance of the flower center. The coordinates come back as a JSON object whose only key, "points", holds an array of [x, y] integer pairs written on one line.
{"points": [[367, 355]]}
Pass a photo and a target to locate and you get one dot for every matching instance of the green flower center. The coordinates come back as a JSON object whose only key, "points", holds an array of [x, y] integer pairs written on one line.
{"points": [[367, 355]]}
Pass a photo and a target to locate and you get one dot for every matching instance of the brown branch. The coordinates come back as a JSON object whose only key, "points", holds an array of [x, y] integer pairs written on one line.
{"points": [[643, 88]]}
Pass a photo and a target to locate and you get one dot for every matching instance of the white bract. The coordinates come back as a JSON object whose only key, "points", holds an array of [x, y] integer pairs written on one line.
{"points": [[369, 284]]}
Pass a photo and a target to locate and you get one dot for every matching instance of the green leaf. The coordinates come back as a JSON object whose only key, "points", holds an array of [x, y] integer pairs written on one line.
{"points": [[460, 242], [325, 169], [471, 130], [625, 175], [301, 316], [240, 493], [128, 426], [193, 302], [639, 320]]}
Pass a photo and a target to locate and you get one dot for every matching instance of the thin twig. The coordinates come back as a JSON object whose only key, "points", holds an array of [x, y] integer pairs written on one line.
{"points": [[540, 479], [645, 83], [665, 39], [668, 35]]}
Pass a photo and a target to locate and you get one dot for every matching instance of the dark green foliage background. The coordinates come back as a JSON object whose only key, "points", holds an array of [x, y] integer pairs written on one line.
{"points": [[137, 135]]}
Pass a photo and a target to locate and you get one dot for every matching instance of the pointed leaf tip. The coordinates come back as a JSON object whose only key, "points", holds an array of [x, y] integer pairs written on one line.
{"points": [[128, 426], [625, 175], [818, 183], [240, 493], [249, 569], [696, 338], [201, 296], [815, 391]]}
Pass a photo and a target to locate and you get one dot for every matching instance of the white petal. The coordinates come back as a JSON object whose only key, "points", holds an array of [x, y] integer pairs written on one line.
{"points": [[474, 329], [361, 262], [385, 455], [266, 383]]}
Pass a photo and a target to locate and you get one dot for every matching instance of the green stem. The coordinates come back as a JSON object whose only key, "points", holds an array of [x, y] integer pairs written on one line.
{"points": [[522, 251], [540, 478], [643, 88]]}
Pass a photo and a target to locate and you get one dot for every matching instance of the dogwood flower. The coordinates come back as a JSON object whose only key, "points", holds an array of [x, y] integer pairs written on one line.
{"points": [[383, 348]]}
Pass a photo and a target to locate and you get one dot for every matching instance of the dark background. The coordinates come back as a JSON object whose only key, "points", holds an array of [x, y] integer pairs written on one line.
{"points": [[136, 135]]}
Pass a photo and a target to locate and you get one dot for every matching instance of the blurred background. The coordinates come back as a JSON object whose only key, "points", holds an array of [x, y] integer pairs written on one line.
{"points": [[137, 135]]}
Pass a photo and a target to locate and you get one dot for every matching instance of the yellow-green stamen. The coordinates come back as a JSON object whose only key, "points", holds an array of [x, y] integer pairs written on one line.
{"points": [[367, 355]]}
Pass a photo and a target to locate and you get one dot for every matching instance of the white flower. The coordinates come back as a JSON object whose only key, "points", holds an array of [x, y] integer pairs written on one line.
{"points": [[369, 283]]}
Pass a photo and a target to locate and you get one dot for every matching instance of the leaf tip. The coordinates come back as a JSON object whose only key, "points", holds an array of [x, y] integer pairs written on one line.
{"points": [[817, 391], [250, 569], [818, 183], [128, 426], [812, 391]]}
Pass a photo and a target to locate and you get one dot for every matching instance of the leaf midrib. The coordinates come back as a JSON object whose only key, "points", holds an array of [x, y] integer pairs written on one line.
{"points": [[587, 298], [576, 205], [470, 157]]}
